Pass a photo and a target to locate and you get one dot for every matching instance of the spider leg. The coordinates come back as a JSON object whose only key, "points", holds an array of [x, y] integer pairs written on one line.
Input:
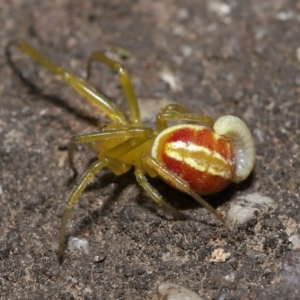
{"points": [[178, 183], [75, 82], [153, 193], [174, 112], [124, 80], [95, 168], [115, 166], [101, 135]]}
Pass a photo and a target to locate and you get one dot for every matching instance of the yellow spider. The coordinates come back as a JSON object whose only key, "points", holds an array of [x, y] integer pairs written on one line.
{"points": [[198, 156]]}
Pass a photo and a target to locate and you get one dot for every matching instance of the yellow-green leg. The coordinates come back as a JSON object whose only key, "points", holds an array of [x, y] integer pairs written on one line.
{"points": [[73, 197], [140, 134], [174, 112], [125, 82], [153, 193], [115, 166], [178, 183], [75, 82]]}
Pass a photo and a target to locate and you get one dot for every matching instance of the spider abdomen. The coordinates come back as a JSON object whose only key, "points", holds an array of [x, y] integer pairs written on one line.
{"points": [[198, 155]]}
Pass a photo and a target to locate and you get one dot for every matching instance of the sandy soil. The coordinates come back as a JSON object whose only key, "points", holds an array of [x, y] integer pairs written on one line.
{"points": [[216, 58]]}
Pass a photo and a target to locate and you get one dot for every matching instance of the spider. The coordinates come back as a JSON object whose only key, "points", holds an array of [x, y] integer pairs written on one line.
{"points": [[197, 155]]}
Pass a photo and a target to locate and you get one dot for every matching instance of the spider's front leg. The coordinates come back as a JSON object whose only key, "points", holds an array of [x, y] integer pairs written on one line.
{"points": [[73, 197], [75, 82], [125, 81], [120, 135], [115, 166]]}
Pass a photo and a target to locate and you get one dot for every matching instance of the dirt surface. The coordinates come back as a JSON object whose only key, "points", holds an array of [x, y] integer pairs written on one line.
{"points": [[237, 57]]}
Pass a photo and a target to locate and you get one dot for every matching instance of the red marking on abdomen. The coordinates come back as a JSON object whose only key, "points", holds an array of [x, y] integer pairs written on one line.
{"points": [[201, 181]]}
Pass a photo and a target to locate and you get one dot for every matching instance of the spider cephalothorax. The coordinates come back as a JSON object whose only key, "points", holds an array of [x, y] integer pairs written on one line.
{"points": [[197, 156]]}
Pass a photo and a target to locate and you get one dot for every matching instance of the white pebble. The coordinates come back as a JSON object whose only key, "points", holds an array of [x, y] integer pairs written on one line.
{"points": [[172, 291], [221, 9], [186, 50], [298, 54], [243, 208], [295, 240], [75, 243], [151, 107], [183, 14], [168, 77], [285, 15], [259, 134]]}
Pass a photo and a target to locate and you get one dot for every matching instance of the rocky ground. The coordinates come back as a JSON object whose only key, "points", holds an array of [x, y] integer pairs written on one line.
{"points": [[216, 58]]}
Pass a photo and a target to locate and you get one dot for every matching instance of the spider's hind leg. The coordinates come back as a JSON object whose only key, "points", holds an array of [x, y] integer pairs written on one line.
{"points": [[177, 182], [177, 113], [154, 194]]}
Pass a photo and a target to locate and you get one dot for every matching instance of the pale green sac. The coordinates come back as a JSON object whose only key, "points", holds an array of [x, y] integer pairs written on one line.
{"points": [[234, 129]]}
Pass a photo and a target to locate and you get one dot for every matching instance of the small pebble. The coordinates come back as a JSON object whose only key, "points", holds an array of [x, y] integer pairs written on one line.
{"points": [[221, 9], [99, 258], [75, 243], [168, 77], [285, 15], [183, 14], [243, 208], [186, 50], [172, 291], [219, 255], [298, 54], [295, 240]]}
